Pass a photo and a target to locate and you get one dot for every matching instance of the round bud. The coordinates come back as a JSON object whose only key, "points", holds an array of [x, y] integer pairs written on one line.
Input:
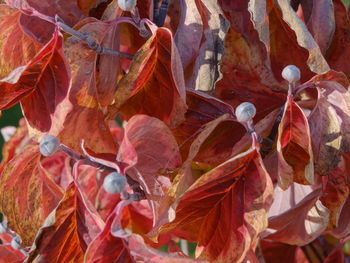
{"points": [[114, 183], [291, 73], [245, 112], [49, 145], [127, 5], [15, 242], [2, 228]]}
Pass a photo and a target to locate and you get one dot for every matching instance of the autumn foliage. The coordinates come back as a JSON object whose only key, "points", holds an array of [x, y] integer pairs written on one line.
{"points": [[150, 94]]}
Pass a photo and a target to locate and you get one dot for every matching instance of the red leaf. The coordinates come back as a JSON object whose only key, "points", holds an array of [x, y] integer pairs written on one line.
{"points": [[335, 193], [16, 49], [295, 157], [282, 35], [339, 49], [67, 231], [247, 75], [336, 255], [83, 109], [27, 193], [275, 252], [40, 85], [330, 124], [51, 86], [202, 109], [197, 44], [156, 69], [296, 216], [10, 255], [68, 10], [148, 147], [221, 212], [108, 248]]}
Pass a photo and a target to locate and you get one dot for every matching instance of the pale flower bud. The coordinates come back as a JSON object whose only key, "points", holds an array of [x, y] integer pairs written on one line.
{"points": [[245, 112], [127, 5], [49, 145], [291, 73], [114, 183]]}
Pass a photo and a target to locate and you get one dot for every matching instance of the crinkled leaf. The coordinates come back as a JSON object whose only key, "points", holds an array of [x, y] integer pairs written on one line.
{"points": [[275, 252], [28, 193], [295, 157], [322, 23], [340, 209], [149, 147], [335, 192], [154, 84], [281, 35], [221, 212], [82, 108], [316, 61], [330, 125], [67, 231], [296, 216], [108, 248], [201, 49]]}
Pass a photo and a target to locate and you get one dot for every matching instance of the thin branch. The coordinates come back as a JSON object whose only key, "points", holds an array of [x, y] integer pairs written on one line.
{"points": [[92, 44]]}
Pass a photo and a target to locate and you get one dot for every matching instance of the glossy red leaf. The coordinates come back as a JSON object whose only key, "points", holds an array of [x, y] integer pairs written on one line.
{"points": [[40, 85], [295, 157], [156, 69], [202, 109], [28, 193], [67, 231], [221, 212]]}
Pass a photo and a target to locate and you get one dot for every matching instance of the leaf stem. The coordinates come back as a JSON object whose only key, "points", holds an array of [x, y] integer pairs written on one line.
{"points": [[92, 44]]}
